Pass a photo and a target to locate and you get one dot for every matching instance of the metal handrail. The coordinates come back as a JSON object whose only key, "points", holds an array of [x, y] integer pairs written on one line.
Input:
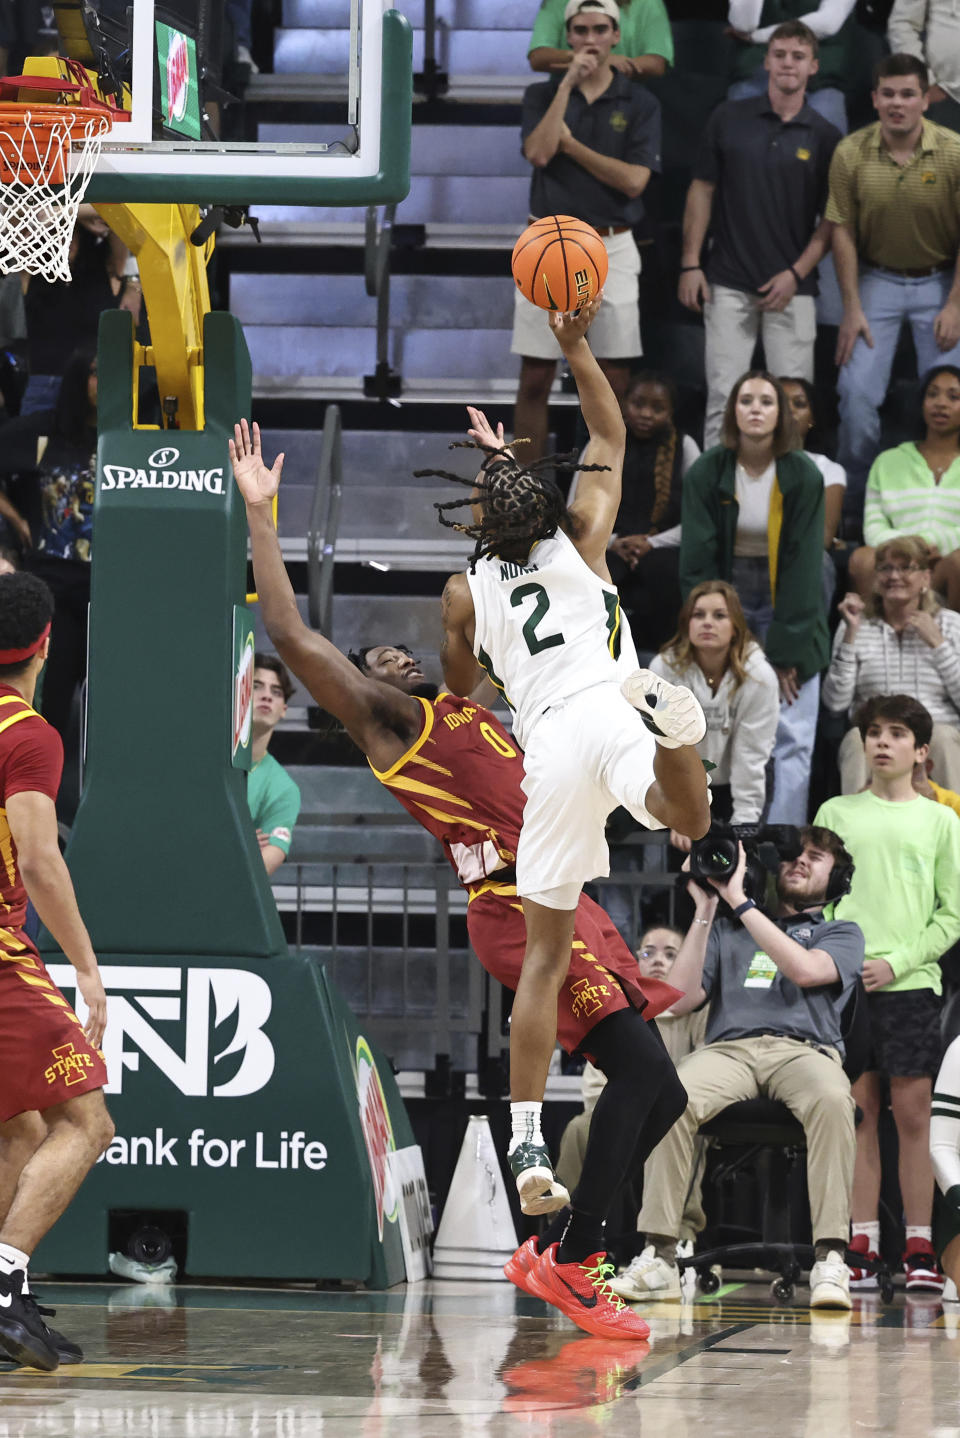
{"points": [[376, 268], [324, 523]]}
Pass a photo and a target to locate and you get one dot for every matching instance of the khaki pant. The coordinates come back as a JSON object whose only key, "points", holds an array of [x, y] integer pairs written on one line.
{"points": [[809, 1081], [732, 323], [944, 751]]}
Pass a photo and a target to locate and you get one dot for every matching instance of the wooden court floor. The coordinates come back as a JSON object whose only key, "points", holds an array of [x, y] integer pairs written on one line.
{"points": [[442, 1359]]}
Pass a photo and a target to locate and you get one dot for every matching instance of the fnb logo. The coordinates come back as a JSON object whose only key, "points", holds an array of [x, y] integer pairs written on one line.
{"points": [[201, 1028], [70, 1066], [178, 76]]}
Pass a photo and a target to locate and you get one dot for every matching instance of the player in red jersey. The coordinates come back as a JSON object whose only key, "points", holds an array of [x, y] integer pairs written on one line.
{"points": [[53, 1120], [455, 768]]}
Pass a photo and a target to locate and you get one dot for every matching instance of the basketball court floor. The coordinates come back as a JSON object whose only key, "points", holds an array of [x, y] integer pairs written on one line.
{"points": [[443, 1359]]}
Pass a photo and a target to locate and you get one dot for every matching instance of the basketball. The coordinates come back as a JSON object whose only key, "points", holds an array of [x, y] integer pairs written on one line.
{"points": [[559, 263]]}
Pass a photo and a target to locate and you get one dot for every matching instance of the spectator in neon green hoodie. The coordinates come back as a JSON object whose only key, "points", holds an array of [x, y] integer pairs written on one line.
{"points": [[906, 898]]}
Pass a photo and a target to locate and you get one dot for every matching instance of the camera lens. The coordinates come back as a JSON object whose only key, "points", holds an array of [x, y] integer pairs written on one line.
{"points": [[149, 1245]]}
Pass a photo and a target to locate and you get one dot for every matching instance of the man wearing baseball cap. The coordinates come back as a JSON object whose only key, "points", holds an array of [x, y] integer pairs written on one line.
{"points": [[593, 139]]}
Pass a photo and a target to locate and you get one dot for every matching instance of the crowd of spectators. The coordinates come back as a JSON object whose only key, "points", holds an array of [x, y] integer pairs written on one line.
{"points": [[817, 590]]}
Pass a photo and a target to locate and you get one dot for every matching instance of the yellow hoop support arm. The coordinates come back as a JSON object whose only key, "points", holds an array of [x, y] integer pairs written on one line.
{"points": [[173, 275]]}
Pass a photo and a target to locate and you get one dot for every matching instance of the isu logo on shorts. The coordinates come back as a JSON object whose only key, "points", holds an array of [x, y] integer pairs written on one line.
{"points": [[588, 998], [70, 1066]]}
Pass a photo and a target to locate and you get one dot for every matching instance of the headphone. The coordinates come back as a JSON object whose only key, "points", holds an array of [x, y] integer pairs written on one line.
{"points": [[841, 880]]}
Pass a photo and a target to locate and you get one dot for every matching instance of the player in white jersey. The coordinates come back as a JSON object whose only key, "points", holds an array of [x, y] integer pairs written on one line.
{"points": [[539, 614], [945, 1153]]}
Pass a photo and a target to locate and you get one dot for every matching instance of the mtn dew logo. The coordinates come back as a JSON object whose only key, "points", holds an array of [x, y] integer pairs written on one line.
{"points": [[178, 75], [242, 698], [377, 1133]]}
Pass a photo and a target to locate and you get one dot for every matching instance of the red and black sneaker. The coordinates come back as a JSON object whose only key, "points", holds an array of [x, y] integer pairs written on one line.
{"points": [[862, 1277], [921, 1267], [519, 1265], [582, 1292]]}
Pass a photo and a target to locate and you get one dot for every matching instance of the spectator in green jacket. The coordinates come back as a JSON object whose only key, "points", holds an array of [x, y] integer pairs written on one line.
{"points": [[272, 796], [752, 514], [645, 45]]}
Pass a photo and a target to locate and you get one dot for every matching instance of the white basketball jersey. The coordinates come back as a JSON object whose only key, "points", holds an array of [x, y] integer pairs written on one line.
{"points": [[547, 629]]}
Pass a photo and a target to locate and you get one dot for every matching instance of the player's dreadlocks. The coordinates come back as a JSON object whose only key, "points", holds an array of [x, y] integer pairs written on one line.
{"points": [[519, 505]]}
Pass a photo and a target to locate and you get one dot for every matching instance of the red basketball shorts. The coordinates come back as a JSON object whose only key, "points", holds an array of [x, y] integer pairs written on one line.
{"points": [[45, 1058], [603, 976]]}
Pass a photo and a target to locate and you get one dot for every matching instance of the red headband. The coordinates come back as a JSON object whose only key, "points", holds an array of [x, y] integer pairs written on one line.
{"points": [[17, 656]]}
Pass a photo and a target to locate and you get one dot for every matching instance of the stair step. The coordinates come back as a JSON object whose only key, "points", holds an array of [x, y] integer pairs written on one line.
{"points": [[464, 14], [327, 51], [483, 391], [289, 352], [358, 619], [492, 150], [302, 88], [445, 199], [347, 228], [331, 842], [417, 302]]}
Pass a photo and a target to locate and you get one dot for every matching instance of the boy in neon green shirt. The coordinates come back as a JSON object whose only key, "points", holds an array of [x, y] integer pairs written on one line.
{"points": [[906, 898]]}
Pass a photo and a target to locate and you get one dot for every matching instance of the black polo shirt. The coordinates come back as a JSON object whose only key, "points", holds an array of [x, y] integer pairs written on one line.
{"points": [[771, 179], [623, 122]]}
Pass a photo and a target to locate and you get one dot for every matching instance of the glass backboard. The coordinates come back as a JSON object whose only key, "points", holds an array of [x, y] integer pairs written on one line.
{"points": [[170, 149]]}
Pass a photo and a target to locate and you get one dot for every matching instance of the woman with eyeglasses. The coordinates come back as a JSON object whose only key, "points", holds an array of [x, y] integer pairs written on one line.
{"points": [[901, 641], [914, 488]]}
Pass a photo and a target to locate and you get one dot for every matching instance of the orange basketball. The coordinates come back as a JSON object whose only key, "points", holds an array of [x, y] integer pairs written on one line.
{"points": [[559, 263]]}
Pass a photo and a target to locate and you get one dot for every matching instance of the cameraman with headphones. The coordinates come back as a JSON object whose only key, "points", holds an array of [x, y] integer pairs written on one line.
{"points": [[776, 989]]}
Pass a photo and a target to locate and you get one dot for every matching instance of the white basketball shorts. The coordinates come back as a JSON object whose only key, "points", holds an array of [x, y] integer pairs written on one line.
{"points": [[584, 756]]}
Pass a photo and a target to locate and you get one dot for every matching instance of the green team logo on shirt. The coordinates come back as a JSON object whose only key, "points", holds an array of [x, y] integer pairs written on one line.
{"points": [[761, 973]]}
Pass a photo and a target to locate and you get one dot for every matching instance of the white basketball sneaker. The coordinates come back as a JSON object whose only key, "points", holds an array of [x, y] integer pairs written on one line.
{"points": [[647, 1277], [830, 1282], [670, 711]]}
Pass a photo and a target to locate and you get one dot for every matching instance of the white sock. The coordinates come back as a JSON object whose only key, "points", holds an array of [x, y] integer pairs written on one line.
{"points": [[525, 1123], [12, 1259], [917, 1230], [872, 1230]]}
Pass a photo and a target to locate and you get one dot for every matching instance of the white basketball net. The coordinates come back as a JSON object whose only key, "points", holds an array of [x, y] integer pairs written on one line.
{"points": [[40, 193]]}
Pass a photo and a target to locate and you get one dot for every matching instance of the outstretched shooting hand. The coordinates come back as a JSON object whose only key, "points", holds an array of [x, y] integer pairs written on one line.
{"points": [[481, 431], [571, 328], [256, 482]]}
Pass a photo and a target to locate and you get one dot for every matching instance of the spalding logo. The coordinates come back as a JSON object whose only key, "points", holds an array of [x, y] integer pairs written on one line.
{"points": [[163, 458], [161, 474]]}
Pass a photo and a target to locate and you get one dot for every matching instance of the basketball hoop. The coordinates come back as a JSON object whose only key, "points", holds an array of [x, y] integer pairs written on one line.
{"points": [[48, 153]]}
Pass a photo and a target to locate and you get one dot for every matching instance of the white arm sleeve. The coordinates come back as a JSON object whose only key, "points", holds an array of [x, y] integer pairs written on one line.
{"points": [[744, 15], [824, 21], [945, 1120], [906, 26]]}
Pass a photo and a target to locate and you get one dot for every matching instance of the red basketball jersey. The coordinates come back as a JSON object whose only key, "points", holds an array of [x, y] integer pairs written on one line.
{"points": [[31, 758], [461, 780]]}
